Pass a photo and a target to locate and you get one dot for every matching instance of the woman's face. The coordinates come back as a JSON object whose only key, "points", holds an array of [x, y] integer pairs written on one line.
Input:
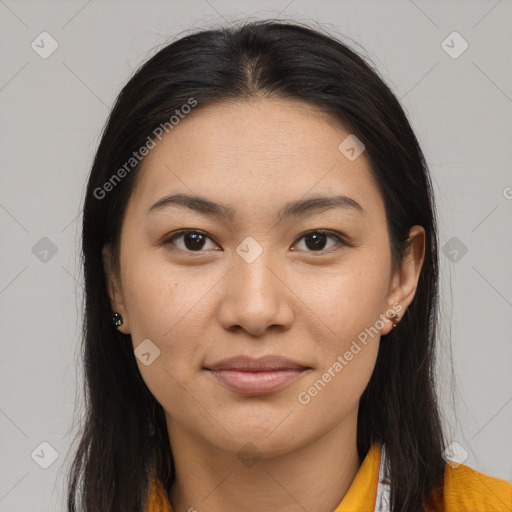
{"points": [[256, 278]]}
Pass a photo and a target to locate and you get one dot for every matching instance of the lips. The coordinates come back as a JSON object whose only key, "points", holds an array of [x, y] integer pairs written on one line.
{"points": [[250, 376], [266, 363]]}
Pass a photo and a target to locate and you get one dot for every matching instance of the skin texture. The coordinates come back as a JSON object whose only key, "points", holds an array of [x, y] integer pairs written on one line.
{"points": [[202, 305]]}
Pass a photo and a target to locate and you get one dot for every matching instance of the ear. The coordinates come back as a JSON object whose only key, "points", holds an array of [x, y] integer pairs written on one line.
{"points": [[114, 289], [405, 280]]}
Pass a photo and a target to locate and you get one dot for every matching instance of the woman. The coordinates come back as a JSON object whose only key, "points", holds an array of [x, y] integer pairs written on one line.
{"points": [[261, 277]]}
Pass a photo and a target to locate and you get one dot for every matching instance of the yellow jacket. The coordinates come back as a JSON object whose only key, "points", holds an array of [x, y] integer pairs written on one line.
{"points": [[465, 490]]}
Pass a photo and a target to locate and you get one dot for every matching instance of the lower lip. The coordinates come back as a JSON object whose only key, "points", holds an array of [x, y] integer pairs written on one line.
{"points": [[255, 383]]}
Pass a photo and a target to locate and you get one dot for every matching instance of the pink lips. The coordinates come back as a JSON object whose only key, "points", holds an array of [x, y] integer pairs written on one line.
{"points": [[256, 376]]}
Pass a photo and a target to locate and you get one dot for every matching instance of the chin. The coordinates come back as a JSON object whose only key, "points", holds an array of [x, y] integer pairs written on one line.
{"points": [[271, 439], [254, 447]]}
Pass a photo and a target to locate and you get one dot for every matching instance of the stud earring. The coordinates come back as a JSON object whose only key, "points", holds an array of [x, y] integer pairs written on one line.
{"points": [[117, 320], [393, 317]]}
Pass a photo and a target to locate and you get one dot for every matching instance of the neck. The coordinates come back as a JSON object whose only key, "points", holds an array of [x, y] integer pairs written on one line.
{"points": [[315, 476]]}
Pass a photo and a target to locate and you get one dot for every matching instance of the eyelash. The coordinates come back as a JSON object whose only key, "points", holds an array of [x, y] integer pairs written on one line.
{"points": [[334, 234]]}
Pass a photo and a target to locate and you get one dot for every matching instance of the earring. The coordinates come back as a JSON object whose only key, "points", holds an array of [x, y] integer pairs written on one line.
{"points": [[117, 320], [393, 318]]}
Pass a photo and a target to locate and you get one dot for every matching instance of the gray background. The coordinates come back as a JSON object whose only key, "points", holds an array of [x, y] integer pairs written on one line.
{"points": [[53, 110]]}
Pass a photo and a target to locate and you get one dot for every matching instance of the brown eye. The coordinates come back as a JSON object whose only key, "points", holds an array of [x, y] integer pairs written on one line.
{"points": [[190, 240], [315, 241]]}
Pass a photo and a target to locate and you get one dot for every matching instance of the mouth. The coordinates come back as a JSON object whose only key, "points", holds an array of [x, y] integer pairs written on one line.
{"points": [[250, 376]]}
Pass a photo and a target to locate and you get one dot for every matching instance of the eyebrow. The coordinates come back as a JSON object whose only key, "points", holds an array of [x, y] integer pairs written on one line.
{"points": [[292, 209]]}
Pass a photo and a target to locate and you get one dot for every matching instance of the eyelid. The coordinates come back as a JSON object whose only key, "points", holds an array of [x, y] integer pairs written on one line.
{"points": [[342, 239]]}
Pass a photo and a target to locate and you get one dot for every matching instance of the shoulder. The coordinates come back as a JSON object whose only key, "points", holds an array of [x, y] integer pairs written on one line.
{"points": [[468, 490]]}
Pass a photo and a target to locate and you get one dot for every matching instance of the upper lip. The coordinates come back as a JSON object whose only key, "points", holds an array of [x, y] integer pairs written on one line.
{"points": [[266, 363]]}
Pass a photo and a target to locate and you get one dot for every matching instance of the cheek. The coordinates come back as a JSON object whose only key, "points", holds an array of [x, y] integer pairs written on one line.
{"points": [[333, 394], [346, 302], [164, 308], [348, 305], [155, 305], [160, 297]]}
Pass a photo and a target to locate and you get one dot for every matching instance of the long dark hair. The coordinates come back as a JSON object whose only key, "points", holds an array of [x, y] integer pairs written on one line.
{"points": [[124, 430]]}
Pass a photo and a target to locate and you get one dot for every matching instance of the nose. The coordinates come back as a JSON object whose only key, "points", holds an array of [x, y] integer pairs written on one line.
{"points": [[256, 297]]}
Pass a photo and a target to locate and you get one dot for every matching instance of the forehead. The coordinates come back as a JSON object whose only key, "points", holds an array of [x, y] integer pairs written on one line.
{"points": [[255, 152]]}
